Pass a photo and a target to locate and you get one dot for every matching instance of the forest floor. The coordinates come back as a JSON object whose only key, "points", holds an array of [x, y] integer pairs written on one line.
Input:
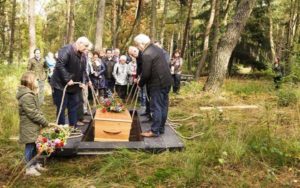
{"points": [[238, 148]]}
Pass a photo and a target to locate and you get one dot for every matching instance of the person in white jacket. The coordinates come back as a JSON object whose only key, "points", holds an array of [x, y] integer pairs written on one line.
{"points": [[121, 74]]}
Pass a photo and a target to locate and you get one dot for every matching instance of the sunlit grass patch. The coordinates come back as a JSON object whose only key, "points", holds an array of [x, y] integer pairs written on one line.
{"points": [[248, 87]]}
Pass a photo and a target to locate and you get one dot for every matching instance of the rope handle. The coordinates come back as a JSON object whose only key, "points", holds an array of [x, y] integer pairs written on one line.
{"points": [[63, 98], [111, 132], [57, 126]]}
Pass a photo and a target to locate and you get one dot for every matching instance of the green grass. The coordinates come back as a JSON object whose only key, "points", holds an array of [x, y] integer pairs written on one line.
{"points": [[257, 148]]}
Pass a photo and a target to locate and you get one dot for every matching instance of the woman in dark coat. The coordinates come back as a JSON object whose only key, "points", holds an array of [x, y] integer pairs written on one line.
{"points": [[98, 78]]}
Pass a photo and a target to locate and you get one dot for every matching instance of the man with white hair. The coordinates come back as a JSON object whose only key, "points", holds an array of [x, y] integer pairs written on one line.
{"points": [[156, 74], [137, 54], [70, 67], [120, 74]]}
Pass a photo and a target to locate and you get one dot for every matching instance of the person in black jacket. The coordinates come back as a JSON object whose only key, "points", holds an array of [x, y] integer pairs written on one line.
{"points": [[278, 72], [156, 74], [137, 54], [70, 68], [109, 67]]}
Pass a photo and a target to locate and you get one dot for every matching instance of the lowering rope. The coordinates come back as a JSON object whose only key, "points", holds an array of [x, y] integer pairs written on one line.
{"points": [[137, 89], [75, 133], [62, 100], [95, 98], [174, 125], [130, 93]]}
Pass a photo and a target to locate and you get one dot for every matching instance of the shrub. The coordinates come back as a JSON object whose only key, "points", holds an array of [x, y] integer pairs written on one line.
{"points": [[294, 76], [286, 98]]}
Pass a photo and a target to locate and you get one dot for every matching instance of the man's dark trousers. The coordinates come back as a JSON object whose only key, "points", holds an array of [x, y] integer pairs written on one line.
{"points": [[159, 103], [71, 101], [111, 85]]}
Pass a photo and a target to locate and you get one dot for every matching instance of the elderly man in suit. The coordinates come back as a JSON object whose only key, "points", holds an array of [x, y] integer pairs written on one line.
{"points": [[70, 68], [156, 74]]}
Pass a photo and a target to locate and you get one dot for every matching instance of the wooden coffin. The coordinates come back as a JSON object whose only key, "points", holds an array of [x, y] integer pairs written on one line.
{"points": [[111, 126]]}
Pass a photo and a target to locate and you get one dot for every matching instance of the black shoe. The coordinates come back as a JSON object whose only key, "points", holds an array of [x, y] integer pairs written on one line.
{"points": [[162, 131], [147, 120], [145, 114]]}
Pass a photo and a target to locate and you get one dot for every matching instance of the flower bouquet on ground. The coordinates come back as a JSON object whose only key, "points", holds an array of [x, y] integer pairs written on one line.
{"points": [[52, 139]]}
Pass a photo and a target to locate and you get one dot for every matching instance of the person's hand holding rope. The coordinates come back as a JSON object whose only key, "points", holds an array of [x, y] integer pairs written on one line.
{"points": [[70, 83]]}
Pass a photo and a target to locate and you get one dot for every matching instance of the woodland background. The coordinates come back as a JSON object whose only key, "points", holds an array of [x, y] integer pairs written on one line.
{"points": [[219, 39]]}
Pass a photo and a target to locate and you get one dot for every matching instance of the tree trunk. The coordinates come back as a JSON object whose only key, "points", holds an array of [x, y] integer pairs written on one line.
{"points": [[12, 32], [226, 46], [153, 20], [178, 42], [31, 19], [216, 33], [3, 28], [163, 22], [172, 43], [67, 17], [114, 23], [206, 39], [121, 8], [136, 22], [291, 35], [71, 23], [187, 29], [227, 8], [95, 4], [272, 45], [189, 46], [100, 24]]}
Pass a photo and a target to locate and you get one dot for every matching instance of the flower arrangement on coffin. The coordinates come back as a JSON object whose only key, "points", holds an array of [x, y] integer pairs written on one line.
{"points": [[51, 139], [112, 104]]}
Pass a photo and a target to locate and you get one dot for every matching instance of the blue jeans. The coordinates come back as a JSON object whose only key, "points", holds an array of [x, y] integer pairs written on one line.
{"points": [[176, 78], [159, 104], [71, 102], [143, 96], [30, 153]]}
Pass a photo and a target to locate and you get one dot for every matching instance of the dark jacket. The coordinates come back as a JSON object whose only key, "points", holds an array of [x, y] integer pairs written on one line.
{"points": [[139, 63], [155, 70], [167, 56], [71, 65], [109, 67], [31, 118], [278, 70]]}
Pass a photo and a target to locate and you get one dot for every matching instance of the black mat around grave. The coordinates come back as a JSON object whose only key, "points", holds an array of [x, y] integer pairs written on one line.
{"points": [[85, 145]]}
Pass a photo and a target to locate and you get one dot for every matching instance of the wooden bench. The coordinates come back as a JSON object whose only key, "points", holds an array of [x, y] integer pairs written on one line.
{"points": [[186, 78]]}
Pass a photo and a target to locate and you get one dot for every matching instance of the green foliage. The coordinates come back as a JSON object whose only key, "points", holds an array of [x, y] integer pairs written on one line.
{"points": [[9, 117], [294, 77], [287, 97], [248, 87], [271, 148]]}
